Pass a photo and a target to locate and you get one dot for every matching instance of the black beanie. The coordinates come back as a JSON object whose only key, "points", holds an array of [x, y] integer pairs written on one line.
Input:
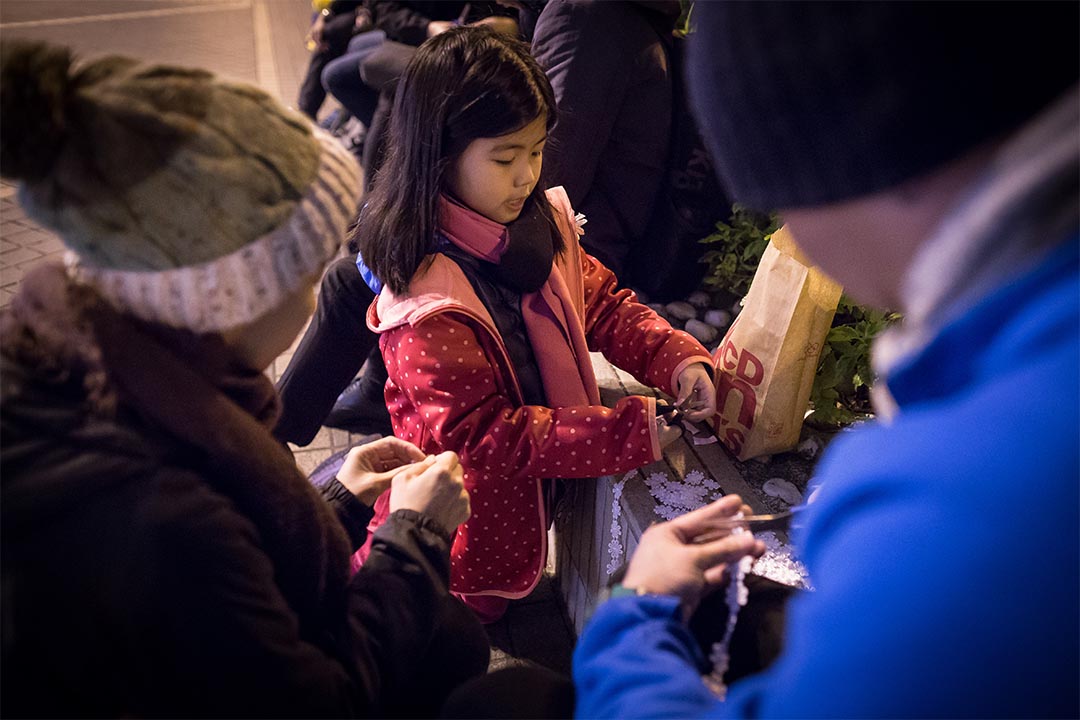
{"points": [[810, 103]]}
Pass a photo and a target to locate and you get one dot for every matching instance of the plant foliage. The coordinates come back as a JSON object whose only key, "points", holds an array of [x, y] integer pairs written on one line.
{"points": [[844, 377], [735, 251], [841, 390]]}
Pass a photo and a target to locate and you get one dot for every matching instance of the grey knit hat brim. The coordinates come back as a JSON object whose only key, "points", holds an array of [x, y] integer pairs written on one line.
{"points": [[240, 287]]}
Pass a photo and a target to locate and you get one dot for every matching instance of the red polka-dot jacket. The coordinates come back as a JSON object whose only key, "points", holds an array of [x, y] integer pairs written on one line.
{"points": [[451, 387]]}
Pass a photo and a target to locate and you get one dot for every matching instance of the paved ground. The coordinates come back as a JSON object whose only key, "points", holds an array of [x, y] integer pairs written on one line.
{"points": [[255, 41]]}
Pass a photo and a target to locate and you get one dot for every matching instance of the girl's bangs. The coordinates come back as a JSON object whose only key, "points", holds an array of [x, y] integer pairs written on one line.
{"points": [[491, 114]]}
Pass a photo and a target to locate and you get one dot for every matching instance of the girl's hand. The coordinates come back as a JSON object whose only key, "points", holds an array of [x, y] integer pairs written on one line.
{"points": [[666, 434], [368, 469], [697, 396]]}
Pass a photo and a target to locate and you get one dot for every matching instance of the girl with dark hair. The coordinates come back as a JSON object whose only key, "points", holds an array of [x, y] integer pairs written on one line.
{"points": [[489, 308]]}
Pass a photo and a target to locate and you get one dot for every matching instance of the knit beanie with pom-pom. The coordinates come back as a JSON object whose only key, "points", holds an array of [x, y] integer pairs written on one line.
{"points": [[184, 199]]}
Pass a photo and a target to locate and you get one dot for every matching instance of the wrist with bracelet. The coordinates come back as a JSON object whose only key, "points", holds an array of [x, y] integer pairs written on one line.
{"points": [[619, 590]]}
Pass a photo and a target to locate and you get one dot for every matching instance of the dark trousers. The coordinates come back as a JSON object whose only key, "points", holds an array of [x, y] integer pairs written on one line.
{"points": [[336, 35], [375, 144], [312, 94], [380, 70], [533, 691], [333, 349], [341, 77], [458, 652]]}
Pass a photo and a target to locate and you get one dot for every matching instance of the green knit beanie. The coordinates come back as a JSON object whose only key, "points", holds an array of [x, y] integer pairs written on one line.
{"points": [[185, 199]]}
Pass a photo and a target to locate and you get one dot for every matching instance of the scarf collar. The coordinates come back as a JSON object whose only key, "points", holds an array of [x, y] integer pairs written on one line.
{"points": [[520, 254], [555, 329]]}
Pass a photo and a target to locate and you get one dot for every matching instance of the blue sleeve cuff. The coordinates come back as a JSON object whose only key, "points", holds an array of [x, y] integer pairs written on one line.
{"points": [[637, 658], [369, 277]]}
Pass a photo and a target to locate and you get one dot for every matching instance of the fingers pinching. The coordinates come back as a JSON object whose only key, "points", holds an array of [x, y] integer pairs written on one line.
{"points": [[726, 550], [667, 434], [685, 390], [412, 470], [696, 394], [698, 521], [716, 574], [394, 452], [448, 460], [707, 397]]}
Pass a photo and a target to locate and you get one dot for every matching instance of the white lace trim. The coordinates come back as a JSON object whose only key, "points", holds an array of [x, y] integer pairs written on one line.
{"points": [[615, 546], [245, 284], [678, 497]]}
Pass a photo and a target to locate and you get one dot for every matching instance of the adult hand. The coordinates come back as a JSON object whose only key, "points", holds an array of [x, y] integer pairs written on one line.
{"points": [[368, 469], [500, 23], [363, 22], [438, 26], [697, 396], [434, 487], [668, 561], [315, 33]]}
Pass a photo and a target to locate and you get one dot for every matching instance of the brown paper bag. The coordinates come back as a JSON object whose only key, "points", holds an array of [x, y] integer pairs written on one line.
{"points": [[766, 364]]}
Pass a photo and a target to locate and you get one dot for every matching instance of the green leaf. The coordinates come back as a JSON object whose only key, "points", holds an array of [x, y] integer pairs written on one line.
{"points": [[843, 333], [734, 251]]}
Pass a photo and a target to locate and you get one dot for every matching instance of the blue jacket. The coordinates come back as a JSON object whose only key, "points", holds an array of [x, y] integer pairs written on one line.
{"points": [[936, 593]]}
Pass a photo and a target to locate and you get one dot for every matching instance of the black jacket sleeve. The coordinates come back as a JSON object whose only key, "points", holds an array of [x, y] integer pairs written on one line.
{"points": [[400, 21], [232, 644], [345, 6], [407, 22], [353, 514]]}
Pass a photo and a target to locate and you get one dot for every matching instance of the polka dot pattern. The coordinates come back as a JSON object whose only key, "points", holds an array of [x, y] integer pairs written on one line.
{"points": [[631, 335], [450, 388]]}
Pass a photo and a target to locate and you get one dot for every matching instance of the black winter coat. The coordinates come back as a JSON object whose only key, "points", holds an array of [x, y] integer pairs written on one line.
{"points": [[136, 584]]}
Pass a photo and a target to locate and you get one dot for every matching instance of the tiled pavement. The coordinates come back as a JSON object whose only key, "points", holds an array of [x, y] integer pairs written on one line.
{"points": [[256, 41], [23, 244]]}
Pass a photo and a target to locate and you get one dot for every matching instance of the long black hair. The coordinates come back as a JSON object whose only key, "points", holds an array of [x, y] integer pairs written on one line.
{"points": [[463, 84]]}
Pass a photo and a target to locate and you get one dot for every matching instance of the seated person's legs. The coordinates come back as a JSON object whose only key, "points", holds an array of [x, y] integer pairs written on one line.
{"points": [[333, 348], [361, 407], [518, 692], [376, 139], [341, 77], [459, 651]]}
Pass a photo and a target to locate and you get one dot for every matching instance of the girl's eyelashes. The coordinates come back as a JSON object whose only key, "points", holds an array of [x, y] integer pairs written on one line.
{"points": [[500, 161]]}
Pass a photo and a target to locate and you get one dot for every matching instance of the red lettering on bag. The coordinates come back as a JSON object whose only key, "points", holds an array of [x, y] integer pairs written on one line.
{"points": [[728, 349], [738, 371], [734, 439], [725, 384], [730, 358], [747, 358]]}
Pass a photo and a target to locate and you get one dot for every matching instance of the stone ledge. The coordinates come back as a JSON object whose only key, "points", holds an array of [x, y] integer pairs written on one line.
{"points": [[583, 519]]}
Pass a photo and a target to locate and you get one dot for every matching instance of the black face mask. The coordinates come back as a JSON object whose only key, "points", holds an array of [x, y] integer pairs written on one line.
{"points": [[530, 250]]}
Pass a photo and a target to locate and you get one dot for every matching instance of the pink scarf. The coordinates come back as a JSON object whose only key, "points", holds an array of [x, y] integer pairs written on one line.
{"points": [[555, 328]]}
